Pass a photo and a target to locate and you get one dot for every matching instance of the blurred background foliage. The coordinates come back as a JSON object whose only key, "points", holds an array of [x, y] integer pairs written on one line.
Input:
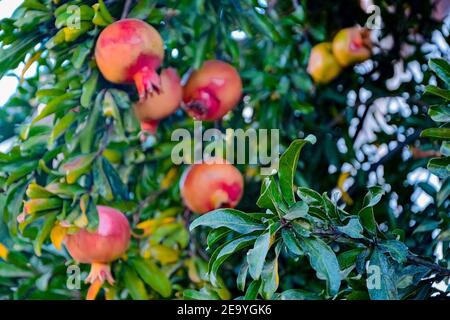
{"points": [[367, 123]]}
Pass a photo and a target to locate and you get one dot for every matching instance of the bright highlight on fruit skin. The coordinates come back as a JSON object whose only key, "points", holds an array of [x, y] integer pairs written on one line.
{"points": [[157, 107], [209, 186], [323, 66], [212, 91], [108, 243], [131, 50], [352, 45]]}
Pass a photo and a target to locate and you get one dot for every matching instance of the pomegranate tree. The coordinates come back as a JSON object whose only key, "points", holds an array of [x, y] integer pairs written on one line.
{"points": [[212, 91], [156, 107], [130, 50], [108, 243], [208, 186]]}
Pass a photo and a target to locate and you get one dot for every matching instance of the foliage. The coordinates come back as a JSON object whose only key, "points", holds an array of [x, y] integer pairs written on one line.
{"points": [[338, 245], [77, 143]]}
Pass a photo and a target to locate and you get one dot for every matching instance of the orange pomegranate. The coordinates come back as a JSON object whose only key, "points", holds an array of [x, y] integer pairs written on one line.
{"points": [[156, 107], [131, 50], [212, 91], [208, 186]]}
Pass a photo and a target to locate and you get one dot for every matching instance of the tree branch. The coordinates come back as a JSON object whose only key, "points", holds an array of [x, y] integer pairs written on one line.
{"points": [[433, 266], [335, 234], [126, 9]]}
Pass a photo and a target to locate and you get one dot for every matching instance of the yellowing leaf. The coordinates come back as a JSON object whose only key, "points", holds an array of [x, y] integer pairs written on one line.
{"points": [[57, 236], [35, 57], [169, 178], [3, 252], [340, 184], [82, 221], [164, 254], [149, 226]]}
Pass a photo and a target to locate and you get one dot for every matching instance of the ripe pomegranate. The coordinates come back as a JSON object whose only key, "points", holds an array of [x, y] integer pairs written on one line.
{"points": [[352, 45], [156, 107], [208, 186], [323, 66], [108, 243], [131, 50], [212, 91]]}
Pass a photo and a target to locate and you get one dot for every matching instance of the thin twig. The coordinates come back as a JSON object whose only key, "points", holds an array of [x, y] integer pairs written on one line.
{"points": [[433, 266], [144, 203], [334, 234], [126, 9]]}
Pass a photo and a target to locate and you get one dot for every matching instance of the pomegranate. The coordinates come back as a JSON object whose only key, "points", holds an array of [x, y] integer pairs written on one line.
{"points": [[323, 66], [212, 91], [208, 186], [352, 45], [131, 50], [108, 243], [156, 107]]}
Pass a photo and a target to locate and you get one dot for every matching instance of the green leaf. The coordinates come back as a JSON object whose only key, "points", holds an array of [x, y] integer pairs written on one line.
{"points": [[153, 276], [367, 219], [297, 294], [88, 89], [59, 104], [257, 255], [80, 54], [199, 295], [77, 166], [438, 133], [222, 253], [134, 285], [288, 165], [440, 167], [380, 279], [298, 210], [440, 113], [142, 9], [44, 232], [253, 290], [87, 136], [230, 218], [291, 242], [436, 91], [324, 261], [12, 271], [373, 196], [270, 279], [348, 258], [442, 68], [396, 249], [242, 276], [353, 229], [216, 235], [63, 124], [271, 197], [310, 196]]}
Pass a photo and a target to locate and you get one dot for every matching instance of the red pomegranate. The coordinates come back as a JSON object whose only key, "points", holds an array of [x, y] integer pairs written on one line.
{"points": [[157, 107], [130, 50], [108, 243], [212, 91], [208, 186]]}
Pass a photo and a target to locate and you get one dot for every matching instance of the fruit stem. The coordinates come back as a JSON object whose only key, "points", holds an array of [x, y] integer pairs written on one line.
{"points": [[94, 289], [150, 126]]}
